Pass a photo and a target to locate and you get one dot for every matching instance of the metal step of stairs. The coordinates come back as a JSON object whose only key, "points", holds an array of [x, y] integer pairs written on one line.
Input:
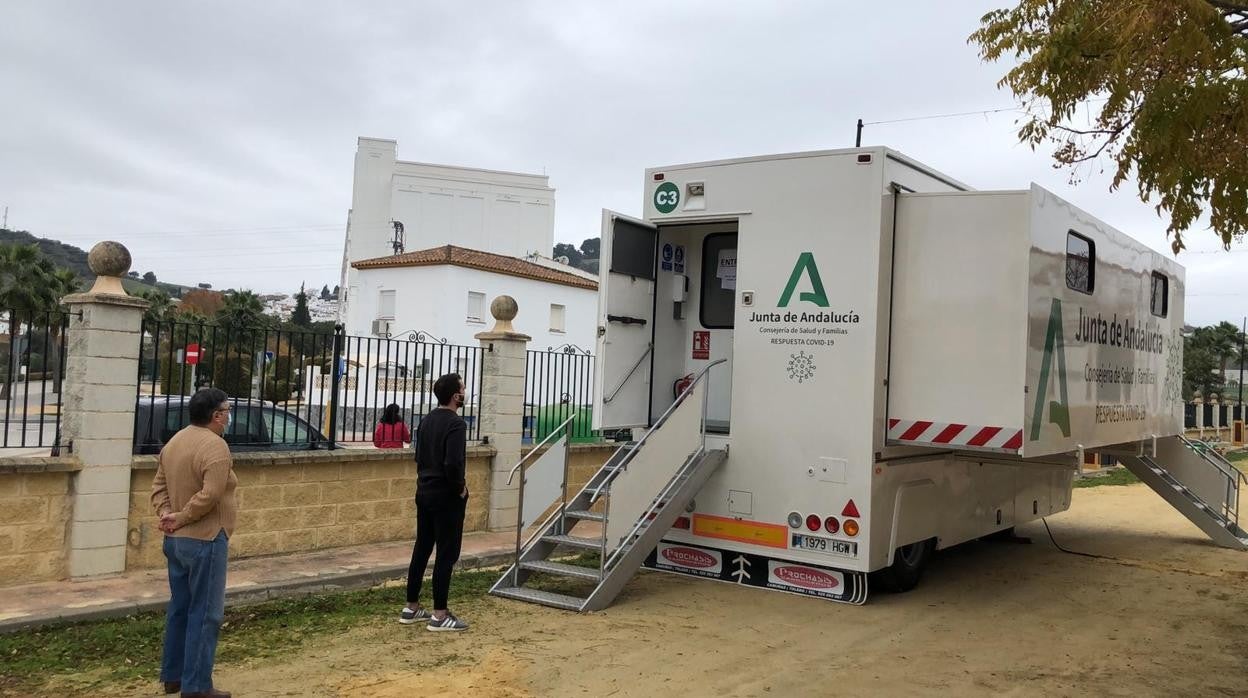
{"points": [[562, 569], [627, 560], [574, 541], [545, 598]]}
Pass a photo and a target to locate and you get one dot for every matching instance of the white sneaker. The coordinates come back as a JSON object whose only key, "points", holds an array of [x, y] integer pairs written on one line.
{"points": [[448, 624], [408, 616]]}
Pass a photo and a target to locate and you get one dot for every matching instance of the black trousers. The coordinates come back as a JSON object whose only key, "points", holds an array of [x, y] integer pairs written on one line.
{"points": [[440, 524]]}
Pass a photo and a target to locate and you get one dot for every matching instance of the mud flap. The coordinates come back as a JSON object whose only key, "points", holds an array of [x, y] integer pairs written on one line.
{"points": [[759, 571]]}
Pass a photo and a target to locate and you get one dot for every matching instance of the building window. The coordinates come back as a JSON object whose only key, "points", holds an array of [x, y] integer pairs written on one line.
{"points": [[557, 313], [1160, 296], [476, 306], [385, 305], [1080, 263]]}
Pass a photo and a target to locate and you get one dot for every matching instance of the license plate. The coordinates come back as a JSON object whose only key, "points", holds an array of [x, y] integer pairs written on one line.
{"points": [[830, 546]]}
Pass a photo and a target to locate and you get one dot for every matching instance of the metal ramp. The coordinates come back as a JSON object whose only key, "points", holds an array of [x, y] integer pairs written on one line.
{"points": [[1197, 481], [627, 506]]}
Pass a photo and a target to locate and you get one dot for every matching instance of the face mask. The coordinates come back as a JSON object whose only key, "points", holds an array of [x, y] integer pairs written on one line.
{"points": [[459, 400]]}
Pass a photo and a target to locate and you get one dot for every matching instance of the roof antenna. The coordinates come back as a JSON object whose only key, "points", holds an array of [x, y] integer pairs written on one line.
{"points": [[397, 243]]}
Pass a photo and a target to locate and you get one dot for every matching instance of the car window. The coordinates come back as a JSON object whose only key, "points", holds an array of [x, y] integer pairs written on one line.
{"points": [[176, 417], [286, 428], [246, 425]]}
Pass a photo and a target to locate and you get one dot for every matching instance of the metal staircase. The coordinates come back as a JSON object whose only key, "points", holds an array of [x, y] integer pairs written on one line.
{"points": [[620, 514], [1197, 481]]}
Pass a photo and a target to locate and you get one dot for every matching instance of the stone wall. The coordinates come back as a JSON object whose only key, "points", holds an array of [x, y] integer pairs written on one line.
{"points": [[35, 511], [311, 500]]}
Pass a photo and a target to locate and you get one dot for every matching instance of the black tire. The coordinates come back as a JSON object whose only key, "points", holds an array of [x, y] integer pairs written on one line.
{"points": [[909, 561]]}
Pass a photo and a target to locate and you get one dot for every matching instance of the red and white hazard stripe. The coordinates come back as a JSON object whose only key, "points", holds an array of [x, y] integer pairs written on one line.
{"points": [[917, 431]]}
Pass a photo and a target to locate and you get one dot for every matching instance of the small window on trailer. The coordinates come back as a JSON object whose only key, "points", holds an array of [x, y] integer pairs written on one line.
{"points": [[719, 281], [632, 249], [1080, 263], [1159, 302]]}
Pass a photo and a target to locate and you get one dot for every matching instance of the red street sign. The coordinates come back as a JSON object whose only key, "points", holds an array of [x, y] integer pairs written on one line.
{"points": [[701, 344], [192, 354]]}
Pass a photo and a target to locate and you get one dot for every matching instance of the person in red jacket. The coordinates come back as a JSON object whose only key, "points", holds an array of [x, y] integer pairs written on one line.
{"points": [[391, 431]]}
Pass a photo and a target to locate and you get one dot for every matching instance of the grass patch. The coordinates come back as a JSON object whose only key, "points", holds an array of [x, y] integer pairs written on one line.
{"points": [[127, 650], [1238, 457], [1120, 476]]}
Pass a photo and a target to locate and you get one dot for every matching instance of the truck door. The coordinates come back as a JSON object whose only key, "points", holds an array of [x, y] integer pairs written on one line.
{"points": [[625, 322]]}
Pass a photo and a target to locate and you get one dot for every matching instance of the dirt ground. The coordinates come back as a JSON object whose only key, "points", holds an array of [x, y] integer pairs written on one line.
{"points": [[1168, 616]]}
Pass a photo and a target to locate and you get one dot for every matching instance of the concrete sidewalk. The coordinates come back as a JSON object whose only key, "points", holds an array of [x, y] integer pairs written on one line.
{"points": [[248, 581]]}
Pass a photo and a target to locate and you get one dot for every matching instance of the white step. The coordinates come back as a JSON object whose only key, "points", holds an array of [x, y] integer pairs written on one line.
{"points": [[584, 515], [562, 569], [545, 598]]}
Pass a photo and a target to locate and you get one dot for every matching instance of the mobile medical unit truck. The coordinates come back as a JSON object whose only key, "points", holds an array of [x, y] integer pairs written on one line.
{"points": [[838, 362]]}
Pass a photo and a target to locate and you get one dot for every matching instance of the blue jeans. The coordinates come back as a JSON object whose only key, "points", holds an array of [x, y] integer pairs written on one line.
{"points": [[196, 610]]}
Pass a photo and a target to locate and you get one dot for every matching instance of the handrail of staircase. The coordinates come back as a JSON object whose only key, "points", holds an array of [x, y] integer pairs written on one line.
{"points": [[658, 424], [1234, 476], [562, 428], [631, 371]]}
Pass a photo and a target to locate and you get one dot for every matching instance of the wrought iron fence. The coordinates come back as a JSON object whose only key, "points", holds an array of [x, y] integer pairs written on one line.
{"points": [[558, 383], [292, 389], [380, 372], [31, 377], [1226, 415]]}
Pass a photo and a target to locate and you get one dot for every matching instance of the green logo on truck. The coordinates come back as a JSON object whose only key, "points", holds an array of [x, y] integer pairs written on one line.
{"points": [[805, 266], [1054, 348], [666, 197]]}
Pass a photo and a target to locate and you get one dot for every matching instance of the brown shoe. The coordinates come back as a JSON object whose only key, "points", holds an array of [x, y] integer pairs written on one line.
{"points": [[214, 693], [172, 687]]}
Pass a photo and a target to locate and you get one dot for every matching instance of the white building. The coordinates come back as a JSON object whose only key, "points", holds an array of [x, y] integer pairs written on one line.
{"points": [[445, 292], [505, 213]]}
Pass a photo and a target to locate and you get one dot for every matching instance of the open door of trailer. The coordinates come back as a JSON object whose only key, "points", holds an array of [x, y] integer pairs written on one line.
{"points": [[625, 322]]}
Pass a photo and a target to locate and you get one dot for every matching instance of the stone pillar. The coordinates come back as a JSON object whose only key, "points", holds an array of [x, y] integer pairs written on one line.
{"points": [[101, 374], [502, 407]]}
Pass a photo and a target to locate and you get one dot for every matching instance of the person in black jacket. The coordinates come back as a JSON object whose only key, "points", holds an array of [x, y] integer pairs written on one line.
{"points": [[441, 498]]}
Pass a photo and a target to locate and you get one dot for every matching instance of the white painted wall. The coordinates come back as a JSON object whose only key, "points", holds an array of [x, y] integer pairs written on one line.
{"points": [[505, 213], [434, 299]]}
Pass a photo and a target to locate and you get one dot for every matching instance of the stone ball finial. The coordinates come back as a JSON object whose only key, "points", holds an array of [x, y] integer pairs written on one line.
{"points": [[110, 261], [504, 309], [109, 258]]}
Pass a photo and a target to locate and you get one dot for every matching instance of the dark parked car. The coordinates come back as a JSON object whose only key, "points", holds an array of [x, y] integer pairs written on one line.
{"points": [[254, 426]]}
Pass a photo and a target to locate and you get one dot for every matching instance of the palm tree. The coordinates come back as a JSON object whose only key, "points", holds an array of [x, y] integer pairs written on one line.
{"points": [[1224, 343], [159, 307], [61, 282], [242, 310], [23, 290]]}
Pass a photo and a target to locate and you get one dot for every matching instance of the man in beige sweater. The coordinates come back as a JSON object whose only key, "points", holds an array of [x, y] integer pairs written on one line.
{"points": [[193, 494]]}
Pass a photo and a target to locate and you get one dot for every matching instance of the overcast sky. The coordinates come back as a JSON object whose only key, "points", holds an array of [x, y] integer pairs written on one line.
{"points": [[216, 139]]}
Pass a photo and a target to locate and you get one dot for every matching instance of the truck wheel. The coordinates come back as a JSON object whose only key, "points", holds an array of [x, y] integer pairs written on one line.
{"points": [[908, 564]]}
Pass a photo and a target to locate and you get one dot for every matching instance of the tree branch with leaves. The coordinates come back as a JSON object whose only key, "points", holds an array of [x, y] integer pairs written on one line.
{"points": [[1168, 81]]}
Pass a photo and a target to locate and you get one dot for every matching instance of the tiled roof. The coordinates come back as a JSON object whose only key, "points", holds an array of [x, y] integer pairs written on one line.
{"points": [[476, 259]]}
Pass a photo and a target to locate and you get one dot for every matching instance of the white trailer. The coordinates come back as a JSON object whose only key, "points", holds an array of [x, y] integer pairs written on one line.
{"points": [[839, 362]]}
